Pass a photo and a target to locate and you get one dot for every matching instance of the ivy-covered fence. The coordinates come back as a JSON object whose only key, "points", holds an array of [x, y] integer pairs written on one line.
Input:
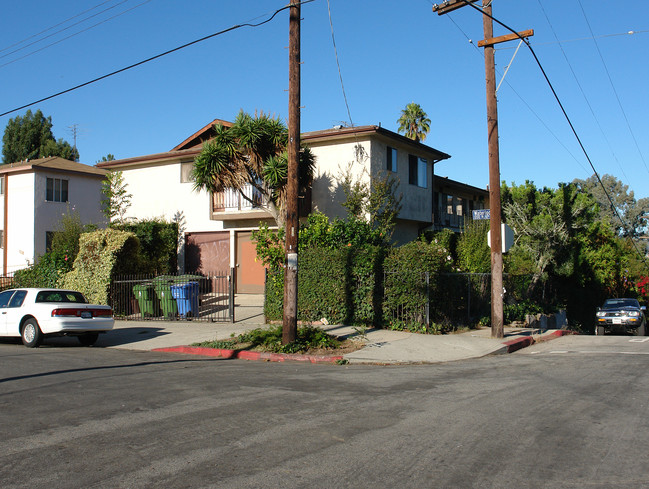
{"points": [[409, 288]]}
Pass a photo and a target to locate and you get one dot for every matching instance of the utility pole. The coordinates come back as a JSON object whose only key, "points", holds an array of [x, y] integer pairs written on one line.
{"points": [[289, 322], [497, 327]]}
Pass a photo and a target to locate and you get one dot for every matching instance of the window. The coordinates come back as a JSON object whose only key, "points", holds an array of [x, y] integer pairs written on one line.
{"points": [[56, 190], [417, 171], [392, 159], [2, 185], [18, 298], [186, 168]]}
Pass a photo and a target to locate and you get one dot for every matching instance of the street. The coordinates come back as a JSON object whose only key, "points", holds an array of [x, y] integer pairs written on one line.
{"points": [[569, 413]]}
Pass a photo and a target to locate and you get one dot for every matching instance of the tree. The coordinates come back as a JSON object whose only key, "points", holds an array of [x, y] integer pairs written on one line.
{"points": [[108, 157], [253, 151], [30, 137], [414, 122], [633, 212], [116, 201]]}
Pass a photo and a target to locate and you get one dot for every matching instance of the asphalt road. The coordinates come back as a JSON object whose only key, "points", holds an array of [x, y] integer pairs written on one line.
{"points": [[73, 417]]}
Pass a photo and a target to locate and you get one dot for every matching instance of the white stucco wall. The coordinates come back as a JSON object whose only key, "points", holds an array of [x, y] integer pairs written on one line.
{"points": [[332, 161], [84, 200], [20, 221], [158, 192]]}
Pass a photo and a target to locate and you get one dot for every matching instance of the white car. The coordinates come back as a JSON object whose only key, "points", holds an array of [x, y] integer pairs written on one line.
{"points": [[34, 314]]}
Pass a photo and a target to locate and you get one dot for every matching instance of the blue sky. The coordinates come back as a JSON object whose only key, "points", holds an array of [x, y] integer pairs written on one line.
{"points": [[390, 53]]}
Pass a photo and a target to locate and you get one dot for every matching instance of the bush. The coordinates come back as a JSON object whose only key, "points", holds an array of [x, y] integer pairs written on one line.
{"points": [[158, 245], [102, 254], [343, 285]]}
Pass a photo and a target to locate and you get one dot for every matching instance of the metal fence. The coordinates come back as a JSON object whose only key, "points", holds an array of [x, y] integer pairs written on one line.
{"points": [[417, 302], [205, 297]]}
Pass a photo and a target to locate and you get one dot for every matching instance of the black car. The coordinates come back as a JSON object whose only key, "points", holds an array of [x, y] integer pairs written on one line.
{"points": [[621, 316]]}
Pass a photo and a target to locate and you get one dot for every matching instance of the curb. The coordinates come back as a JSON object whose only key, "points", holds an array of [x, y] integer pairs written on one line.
{"points": [[520, 343], [250, 355]]}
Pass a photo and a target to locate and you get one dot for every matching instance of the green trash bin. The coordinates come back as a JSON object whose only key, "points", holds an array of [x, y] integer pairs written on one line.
{"points": [[167, 301], [144, 295]]}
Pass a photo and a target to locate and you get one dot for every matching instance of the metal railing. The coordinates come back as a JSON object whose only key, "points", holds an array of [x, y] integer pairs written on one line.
{"points": [[232, 200], [204, 297]]}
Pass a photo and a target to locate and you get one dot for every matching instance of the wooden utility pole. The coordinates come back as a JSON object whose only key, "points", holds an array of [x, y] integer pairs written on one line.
{"points": [[289, 323], [497, 327]]}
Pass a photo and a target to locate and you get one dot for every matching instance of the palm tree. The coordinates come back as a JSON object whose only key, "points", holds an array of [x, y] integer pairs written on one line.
{"points": [[252, 151], [413, 122]]}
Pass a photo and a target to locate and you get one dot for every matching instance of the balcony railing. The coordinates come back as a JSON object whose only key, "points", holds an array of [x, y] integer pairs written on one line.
{"points": [[232, 200]]}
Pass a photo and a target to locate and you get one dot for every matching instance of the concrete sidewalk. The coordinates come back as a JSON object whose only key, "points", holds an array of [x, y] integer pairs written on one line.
{"points": [[381, 346]]}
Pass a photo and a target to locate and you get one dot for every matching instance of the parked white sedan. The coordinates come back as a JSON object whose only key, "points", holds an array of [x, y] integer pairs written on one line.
{"points": [[34, 314]]}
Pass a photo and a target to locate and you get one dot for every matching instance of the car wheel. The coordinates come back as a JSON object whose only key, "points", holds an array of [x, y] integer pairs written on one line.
{"points": [[88, 339], [599, 330], [31, 334]]}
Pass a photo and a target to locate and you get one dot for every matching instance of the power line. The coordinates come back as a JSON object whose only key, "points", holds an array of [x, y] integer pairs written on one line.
{"points": [[565, 114], [126, 68], [574, 75], [626, 119], [71, 35], [340, 75], [54, 26]]}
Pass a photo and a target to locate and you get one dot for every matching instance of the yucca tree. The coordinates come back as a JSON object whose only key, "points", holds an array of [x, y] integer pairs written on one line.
{"points": [[414, 122], [252, 151]]}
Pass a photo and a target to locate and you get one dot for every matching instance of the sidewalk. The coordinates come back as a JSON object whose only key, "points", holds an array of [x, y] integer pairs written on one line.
{"points": [[381, 346]]}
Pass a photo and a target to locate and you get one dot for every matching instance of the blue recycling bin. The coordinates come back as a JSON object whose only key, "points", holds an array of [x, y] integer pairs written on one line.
{"points": [[186, 296]]}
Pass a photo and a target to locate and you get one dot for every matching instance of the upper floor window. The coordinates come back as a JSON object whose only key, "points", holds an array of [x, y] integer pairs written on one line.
{"points": [[186, 168], [392, 159], [417, 171], [56, 190], [2, 185]]}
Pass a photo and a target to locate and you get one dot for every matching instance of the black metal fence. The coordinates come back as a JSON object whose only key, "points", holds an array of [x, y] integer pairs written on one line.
{"points": [[205, 297], [417, 302]]}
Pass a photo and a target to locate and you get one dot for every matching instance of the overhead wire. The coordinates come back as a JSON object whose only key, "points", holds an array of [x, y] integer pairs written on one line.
{"points": [[529, 107], [340, 75], [71, 35], [617, 97], [565, 114], [581, 89], [54, 26], [152, 58]]}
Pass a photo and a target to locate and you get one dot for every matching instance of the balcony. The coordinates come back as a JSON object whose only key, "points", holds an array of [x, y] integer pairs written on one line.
{"points": [[231, 205]]}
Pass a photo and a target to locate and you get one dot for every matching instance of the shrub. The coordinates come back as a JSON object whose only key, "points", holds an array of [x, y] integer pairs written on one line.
{"points": [[102, 254], [158, 245]]}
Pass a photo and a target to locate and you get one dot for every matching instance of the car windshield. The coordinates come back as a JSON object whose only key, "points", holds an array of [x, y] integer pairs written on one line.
{"points": [[60, 296], [608, 303]]}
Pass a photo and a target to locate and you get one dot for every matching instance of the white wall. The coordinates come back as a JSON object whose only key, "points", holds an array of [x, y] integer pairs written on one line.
{"points": [[84, 199], [20, 221], [158, 192], [332, 160]]}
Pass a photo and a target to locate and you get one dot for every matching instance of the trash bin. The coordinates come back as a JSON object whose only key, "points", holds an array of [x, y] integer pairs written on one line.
{"points": [[144, 295], [186, 296], [167, 302]]}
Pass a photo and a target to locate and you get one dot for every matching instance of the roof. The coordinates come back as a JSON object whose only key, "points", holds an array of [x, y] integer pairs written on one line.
{"points": [[445, 181], [203, 134], [191, 147], [52, 163], [337, 133]]}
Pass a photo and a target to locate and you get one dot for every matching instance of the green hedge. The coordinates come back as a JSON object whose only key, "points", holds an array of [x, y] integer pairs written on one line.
{"points": [[342, 285], [158, 244], [102, 254]]}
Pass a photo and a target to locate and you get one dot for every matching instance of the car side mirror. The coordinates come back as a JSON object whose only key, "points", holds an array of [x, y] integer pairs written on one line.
{"points": [[643, 308]]}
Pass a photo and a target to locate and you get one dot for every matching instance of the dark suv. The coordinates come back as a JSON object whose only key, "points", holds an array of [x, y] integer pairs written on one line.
{"points": [[621, 316]]}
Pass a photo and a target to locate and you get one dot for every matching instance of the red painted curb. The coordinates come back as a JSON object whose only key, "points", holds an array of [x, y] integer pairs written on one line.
{"points": [[519, 343], [250, 355]]}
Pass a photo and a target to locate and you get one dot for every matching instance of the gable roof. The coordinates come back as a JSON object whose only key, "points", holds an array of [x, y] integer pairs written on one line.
{"points": [[199, 137], [52, 163]]}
